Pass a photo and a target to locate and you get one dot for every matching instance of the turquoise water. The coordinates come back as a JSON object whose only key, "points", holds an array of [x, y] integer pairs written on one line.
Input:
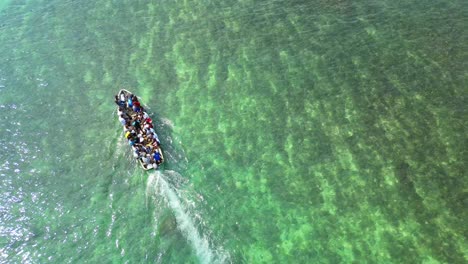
{"points": [[294, 131]]}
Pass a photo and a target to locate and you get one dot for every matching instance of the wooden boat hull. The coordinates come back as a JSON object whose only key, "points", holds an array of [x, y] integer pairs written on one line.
{"points": [[129, 111]]}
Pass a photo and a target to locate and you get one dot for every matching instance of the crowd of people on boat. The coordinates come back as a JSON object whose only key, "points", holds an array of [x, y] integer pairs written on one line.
{"points": [[139, 131]]}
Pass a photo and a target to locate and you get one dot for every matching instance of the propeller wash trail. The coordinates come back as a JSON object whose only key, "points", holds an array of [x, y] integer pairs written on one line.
{"points": [[156, 188]]}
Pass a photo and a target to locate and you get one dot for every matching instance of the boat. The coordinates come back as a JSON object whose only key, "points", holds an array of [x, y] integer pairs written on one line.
{"points": [[138, 130]]}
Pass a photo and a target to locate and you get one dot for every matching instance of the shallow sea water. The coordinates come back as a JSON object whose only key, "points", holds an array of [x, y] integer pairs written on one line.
{"points": [[294, 131]]}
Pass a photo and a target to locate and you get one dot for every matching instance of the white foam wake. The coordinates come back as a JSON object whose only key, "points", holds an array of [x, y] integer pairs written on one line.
{"points": [[157, 185]]}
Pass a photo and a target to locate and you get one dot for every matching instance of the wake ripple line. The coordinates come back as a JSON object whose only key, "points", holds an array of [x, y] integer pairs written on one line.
{"points": [[184, 220]]}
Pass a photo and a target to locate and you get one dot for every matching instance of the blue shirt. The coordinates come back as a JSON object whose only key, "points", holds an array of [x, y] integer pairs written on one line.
{"points": [[157, 156]]}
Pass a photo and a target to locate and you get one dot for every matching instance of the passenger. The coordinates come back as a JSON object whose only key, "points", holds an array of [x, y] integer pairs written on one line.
{"points": [[130, 102], [136, 124], [136, 151], [135, 148], [155, 144], [138, 117], [122, 101], [137, 103], [141, 138], [145, 115], [122, 120], [150, 125], [157, 157], [128, 134], [122, 112], [136, 108], [148, 148], [149, 143], [146, 159], [142, 151]]}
